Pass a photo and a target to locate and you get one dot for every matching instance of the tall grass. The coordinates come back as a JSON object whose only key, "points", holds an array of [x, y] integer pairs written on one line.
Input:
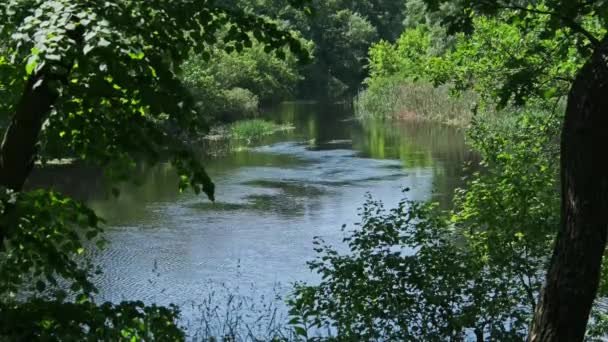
{"points": [[226, 314], [255, 129], [395, 98], [232, 311]]}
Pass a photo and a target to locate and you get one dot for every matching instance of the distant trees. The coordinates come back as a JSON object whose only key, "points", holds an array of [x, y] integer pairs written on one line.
{"points": [[232, 85], [342, 31]]}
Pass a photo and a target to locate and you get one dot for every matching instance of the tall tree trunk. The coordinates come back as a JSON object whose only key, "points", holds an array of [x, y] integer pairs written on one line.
{"points": [[19, 146], [573, 276], [18, 149]]}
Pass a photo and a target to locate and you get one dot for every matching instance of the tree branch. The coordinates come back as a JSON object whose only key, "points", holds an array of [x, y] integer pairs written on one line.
{"points": [[571, 23]]}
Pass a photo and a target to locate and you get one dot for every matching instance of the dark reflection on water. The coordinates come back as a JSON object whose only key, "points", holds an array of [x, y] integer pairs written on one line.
{"points": [[271, 201]]}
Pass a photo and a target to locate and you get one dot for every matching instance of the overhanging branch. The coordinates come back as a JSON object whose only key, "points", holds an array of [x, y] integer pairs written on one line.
{"points": [[569, 22]]}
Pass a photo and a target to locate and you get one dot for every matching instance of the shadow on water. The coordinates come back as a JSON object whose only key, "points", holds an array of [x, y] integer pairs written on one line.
{"points": [[272, 199], [289, 199], [288, 188]]}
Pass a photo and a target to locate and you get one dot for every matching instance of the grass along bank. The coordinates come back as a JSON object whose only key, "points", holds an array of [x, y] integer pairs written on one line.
{"points": [[255, 129], [394, 98], [247, 130]]}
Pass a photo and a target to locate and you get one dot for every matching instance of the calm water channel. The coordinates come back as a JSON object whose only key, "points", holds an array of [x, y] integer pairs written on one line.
{"points": [[272, 200]]}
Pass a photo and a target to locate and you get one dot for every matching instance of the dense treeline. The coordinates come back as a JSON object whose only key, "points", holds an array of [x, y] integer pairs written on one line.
{"points": [[342, 31], [476, 69], [231, 83]]}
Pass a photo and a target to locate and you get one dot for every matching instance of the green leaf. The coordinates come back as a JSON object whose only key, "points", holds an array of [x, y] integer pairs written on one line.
{"points": [[32, 64], [300, 331], [137, 56]]}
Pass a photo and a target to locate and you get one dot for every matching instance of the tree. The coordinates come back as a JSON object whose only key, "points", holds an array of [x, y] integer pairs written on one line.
{"points": [[342, 31], [99, 81], [573, 275]]}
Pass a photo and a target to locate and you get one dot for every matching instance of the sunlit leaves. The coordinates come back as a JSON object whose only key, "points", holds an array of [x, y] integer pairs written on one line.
{"points": [[526, 49], [506, 61], [46, 232], [140, 47]]}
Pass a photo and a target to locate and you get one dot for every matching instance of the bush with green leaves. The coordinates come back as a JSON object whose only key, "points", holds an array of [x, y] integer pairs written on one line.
{"points": [[240, 101], [415, 272], [403, 82], [229, 85]]}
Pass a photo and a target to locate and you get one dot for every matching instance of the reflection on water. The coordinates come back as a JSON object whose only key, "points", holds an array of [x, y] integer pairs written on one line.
{"points": [[271, 201]]}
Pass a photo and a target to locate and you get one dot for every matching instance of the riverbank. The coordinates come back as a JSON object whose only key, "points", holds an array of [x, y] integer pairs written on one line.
{"points": [[239, 135], [246, 130], [398, 99]]}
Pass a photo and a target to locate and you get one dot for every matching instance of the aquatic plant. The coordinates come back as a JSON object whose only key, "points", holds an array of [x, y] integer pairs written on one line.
{"points": [[255, 129]]}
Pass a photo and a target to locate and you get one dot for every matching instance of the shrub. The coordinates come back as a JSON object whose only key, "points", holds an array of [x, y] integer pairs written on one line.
{"points": [[255, 129], [238, 103], [231, 85]]}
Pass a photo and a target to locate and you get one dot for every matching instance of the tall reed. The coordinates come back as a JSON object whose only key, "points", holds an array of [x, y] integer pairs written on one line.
{"points": [[394, 98]]}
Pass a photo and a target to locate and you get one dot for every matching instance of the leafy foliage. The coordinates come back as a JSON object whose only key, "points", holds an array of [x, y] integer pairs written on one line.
{"points": [[342, 31], [403, 77], [507, 60], [416, 273], [523, 65], [113, 71], [56, 320], [47, 232], [555, 37], [121, 61], [231, 85]]}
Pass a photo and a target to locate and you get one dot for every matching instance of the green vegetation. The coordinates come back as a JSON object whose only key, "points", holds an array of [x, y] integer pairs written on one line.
{"points": [[113, 84], [473, 70], [338, 35], [477, 269], [255, 129], [229, 86], [342, 31], [417, 273], [391, 98]]}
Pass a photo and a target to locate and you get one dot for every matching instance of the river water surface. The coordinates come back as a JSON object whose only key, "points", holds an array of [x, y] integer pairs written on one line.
{"points": [[272, 199]]}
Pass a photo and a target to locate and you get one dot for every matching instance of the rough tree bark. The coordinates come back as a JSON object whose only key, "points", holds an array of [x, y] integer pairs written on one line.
{"points": [[573, 276], [19, 146], [18, 149]]}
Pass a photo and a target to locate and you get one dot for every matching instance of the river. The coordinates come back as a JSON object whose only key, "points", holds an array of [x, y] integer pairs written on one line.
{"points": [[272, 199]]}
